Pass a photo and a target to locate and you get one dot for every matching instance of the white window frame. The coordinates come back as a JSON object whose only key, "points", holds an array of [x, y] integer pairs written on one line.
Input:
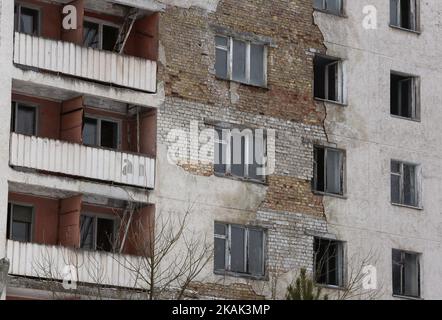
{"points": [[99, 120], [417, 172], [228, 247], [100, 24], [419, 275], [95, 226], [27, 205], [341, 263], [414, 15], [17, 104], [19, 6], [339, 80], [342, 166], [229, 50], [415, 95]]}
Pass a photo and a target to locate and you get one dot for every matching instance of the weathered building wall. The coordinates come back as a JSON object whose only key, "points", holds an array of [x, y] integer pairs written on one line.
{"points": [[285, 205]]}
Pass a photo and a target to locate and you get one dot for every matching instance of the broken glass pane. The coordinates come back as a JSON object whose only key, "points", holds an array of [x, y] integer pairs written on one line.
{"points": [[395, 189], [319, 169]]}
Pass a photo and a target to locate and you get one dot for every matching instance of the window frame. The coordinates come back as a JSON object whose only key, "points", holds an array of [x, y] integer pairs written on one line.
{"points": [[11, 218], [416, 21], [99, 119], [229, 50], [325, 10], [100, 24], [416, 96], [340, 91], [419, 273], [228, 245], [17, 104], [228, 165], [19, 6], [97, 216], [342, 168], [418, 196], [341, 262]]}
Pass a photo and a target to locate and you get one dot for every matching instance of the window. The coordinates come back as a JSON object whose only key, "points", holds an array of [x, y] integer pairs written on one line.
{"points": [[26, 20], [404, 187], [328, 170], [101, 133], [329, 262], [328, 81], [24, 119], [331, 6], [97, 233], [98, 35], [239, 249], [241, 61], [404, 14], [406, 274], [241, 154], [20, 220], [404, 92]]}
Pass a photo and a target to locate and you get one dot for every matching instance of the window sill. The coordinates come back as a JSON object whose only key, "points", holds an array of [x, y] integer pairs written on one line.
{"points": [[340, 15], [416, 32], [330, 287], [263, 87], [405, 118], [240, 275], [407, 298], [220, 175], [407, 206], [325, 194], [342, 104]]}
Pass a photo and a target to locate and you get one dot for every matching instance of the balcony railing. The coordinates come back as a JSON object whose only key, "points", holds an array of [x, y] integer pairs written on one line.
{"points": [[82, 161], [55, 262], [74, 60]]}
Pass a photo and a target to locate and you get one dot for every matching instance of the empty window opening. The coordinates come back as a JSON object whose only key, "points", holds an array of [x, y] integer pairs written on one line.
{"points": [[241, 154], [26, 20], [100, 35], [241, 61], [24, 119], [331, 6], [406, 274], [403, 14], [404, 100], [328, 79], [329, 262], [239, 249], [328, 170], [101, 133], [404, 186], [97, 233], [20, 222]]}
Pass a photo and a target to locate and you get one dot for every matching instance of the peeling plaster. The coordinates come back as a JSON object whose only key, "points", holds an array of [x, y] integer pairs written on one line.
{"points": [[209, 5]]}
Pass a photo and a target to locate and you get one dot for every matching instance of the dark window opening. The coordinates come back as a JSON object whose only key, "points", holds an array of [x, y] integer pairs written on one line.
{"points": [[328, 79], [99, 36], [329, 264], [403, 96], [27, 20], [403, 14], [404, 188], [328, 170], [20, 222], [97, 233], [24, 119], [101, 133], [406, 274]]}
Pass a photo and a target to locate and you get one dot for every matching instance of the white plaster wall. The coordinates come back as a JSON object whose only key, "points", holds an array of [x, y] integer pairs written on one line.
{"points": [[371, 137]]}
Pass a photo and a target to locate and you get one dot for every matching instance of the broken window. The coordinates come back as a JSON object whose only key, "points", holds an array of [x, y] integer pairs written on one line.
{"points": [[328, 79], [406, 274], [329, 262], [331, 6], [241, 61], [100, 35], [26, 20], [24, 119], [241, 154], [97, 233], [404, 96], [328, 170], [403, 14], [101, 133], [20, 220], [404, 188], [239, 249]]}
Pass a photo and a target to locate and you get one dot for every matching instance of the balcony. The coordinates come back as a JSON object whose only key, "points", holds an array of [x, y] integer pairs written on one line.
{"points": [[77, 160], [74, 60], [45, 261]]}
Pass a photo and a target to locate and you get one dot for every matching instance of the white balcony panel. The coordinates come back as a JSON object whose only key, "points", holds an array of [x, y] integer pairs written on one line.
{"points": [[82, 161], [74, 60], [42, 261]]}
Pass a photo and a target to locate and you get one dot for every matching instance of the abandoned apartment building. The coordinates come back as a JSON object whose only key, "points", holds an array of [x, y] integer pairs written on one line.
{"points": [[301, 140]]}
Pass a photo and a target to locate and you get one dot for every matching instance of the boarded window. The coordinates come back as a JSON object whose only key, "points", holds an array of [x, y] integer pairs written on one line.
{"points": [[239, 249], [404, 96], [328, 79], [403, 14], [241, 61], [406, 273], [329, 262], [328, 170], [20, 221], [24, 119], [330, 6], [404, 188]]}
